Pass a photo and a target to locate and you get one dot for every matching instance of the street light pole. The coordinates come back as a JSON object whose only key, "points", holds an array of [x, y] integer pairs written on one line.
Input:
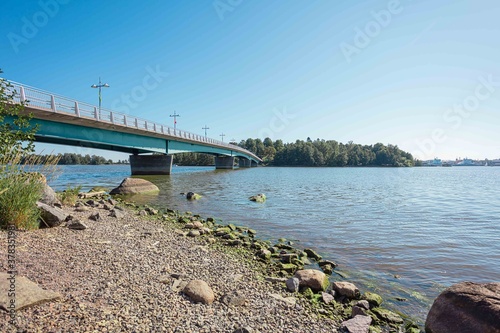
{"points": [[222, 136], [175, 115], [100, 85], [205, 128]]}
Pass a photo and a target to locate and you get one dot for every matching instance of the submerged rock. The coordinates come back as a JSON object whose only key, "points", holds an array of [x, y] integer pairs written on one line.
{"points": [[258, 198], [135, 185], [466, 307], [372, 298], [312, 254], [192, 196]]}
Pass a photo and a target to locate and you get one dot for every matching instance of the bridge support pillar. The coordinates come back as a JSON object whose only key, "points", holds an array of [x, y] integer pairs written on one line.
{"points": [[151, 164], [224, 162], [244, 162], [253, 164]]}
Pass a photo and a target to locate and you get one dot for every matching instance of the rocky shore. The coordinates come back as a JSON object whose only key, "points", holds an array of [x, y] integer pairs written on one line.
{"points": [[116, 267]]}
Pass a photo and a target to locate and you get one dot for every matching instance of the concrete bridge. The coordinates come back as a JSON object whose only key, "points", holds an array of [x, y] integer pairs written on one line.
{"points": [[65, 121]]}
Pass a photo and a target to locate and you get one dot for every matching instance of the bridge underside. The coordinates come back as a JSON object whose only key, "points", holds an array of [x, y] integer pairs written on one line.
{"points": [[135, 144]]}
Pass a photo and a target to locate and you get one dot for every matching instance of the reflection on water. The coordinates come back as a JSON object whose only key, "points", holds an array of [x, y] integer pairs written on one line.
{"points": [[400, 232]]}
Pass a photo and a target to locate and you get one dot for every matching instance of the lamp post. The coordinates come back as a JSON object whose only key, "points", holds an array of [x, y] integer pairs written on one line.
{"points": [[100, 85], [205, 128], [175, 115], [222, 136]]}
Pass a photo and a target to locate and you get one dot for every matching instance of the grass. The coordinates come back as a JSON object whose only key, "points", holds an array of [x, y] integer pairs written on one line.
{"points": [[21, 184], [70, 195]]}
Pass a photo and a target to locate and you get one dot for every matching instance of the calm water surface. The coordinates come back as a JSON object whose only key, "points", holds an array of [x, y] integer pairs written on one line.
{"points": [[405, 233]]}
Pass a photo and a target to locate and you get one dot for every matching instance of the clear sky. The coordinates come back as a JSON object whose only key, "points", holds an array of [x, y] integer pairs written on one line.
{"points": [[424, 75]]}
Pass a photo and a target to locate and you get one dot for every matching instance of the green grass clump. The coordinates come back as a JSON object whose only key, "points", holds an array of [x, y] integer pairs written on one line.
{"points": [[70, 195], [21, 184], [18, 201]]}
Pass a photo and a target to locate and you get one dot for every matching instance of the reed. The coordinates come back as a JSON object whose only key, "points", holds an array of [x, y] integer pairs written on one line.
{"points": [[21, 184]]}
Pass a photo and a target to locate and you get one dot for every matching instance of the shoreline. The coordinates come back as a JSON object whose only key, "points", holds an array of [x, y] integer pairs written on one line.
{"points": [[98, 271]]}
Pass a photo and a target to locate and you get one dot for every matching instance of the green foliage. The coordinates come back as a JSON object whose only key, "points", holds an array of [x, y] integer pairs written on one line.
{"points": [[16, 133], [194, 159], [327, 153], [70, 195], [18, 202], [20, 188]]}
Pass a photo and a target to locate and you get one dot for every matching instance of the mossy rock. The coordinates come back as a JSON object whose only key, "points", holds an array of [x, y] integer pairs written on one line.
{"points": [[223, 229], [308, 293], [313, 254], [284, 247], [230, 236], [251, 232], [372, 298], [290, 268], [98, 189], [388, 316], [374, 329], [231, 226]]}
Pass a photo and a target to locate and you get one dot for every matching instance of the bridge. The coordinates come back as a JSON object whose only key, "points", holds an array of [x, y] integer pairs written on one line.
{"points": [[65, 121]]}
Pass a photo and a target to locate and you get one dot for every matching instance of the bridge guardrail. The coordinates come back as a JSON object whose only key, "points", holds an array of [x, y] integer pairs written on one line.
{"points": [[47, 101]]}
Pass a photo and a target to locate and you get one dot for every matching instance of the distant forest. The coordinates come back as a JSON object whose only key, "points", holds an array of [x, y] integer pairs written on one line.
{"points": [[72, 159], [328, 153], [317, 153]]}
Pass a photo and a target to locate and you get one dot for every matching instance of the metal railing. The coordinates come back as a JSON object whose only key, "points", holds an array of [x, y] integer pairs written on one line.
{"points": [[43, 100]]}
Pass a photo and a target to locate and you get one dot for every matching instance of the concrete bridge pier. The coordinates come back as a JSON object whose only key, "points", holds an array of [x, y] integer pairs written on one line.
{"points": [[224, 162], [244, 162], [151, 164], [253, 163]]}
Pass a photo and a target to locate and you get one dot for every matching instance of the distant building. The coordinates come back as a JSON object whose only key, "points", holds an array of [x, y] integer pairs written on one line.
{"points": [[494, 162], [433, 163]]}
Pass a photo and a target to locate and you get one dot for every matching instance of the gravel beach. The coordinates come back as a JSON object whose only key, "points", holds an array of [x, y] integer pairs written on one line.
{"points": [[123, 275]]}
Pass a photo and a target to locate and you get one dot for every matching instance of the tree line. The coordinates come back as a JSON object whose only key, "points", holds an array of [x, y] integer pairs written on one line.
{"points": [[74, 159], [327, 153]]}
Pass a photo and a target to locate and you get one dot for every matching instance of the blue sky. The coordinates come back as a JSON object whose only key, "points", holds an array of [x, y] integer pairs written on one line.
{"points": [[424, 75]]}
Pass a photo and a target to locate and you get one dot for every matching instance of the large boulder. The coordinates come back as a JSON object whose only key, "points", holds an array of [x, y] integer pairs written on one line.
{"points": [[51, 216], [466, 307], [199, 291], [135, 185], [49, 196], [312, 278]]}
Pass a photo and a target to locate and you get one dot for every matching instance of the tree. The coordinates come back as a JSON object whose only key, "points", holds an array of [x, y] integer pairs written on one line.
{"points": [[16, 132], [19, 189]]}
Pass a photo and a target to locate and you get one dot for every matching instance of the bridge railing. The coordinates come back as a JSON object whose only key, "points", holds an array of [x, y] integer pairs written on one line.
{"points": [[47, 101]]}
